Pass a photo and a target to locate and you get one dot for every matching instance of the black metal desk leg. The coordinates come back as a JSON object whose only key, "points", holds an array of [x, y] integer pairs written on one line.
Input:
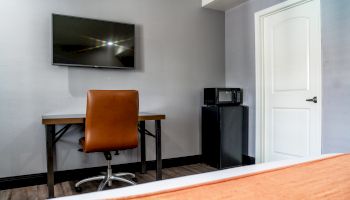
{"points": [[158, 150], [50, 138], [143, 147]]}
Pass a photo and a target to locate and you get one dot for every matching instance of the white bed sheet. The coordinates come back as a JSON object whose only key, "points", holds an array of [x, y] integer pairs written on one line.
{"points": [[188, 180]]}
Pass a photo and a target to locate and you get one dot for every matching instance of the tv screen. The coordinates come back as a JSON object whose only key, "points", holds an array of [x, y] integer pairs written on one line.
{"points": [[92, 43]]}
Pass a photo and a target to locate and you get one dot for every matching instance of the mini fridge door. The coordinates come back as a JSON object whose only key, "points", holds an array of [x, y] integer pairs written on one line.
{"points": [[231, 129]]}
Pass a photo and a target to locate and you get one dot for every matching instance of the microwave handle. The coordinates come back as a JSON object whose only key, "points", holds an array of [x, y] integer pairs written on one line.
{"points": [[217, 97], [234, 96]]}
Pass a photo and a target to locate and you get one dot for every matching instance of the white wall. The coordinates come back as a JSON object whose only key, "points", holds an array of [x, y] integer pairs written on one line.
{"points": [[180, 50]]}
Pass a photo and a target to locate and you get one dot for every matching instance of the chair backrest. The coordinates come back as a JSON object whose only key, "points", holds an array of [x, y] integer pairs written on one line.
{"points": [[111, 120]]}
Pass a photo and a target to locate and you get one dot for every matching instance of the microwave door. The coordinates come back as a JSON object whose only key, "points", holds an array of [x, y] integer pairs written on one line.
{"points": [[225, 96]]}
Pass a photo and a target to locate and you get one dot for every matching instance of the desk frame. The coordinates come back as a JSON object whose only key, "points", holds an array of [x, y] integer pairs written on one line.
{"points": [[52, 137]]}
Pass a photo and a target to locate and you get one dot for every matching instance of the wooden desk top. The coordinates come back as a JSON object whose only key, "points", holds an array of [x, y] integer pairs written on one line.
{"points": [[79, 118]]}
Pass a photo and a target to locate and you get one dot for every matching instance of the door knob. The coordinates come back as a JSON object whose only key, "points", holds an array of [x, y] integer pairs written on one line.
{"points": [[312, 100]]}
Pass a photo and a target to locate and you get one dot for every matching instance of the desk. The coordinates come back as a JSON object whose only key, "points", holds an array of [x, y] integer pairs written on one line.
{"points": [[51, 120]]}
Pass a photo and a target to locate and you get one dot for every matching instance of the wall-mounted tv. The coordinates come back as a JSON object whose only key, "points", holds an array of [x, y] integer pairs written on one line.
{"points": [[86, 42]]}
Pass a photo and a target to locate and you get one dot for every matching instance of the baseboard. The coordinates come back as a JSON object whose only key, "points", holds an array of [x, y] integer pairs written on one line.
{"points": [[247, 160], [22, 181], [77, 174]]}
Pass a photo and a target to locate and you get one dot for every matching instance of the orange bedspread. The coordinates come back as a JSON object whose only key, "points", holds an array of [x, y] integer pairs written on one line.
{"points": [[327, 178]]}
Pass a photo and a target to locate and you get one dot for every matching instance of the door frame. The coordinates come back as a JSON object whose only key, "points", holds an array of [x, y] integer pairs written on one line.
{"points": [[260, 129]]}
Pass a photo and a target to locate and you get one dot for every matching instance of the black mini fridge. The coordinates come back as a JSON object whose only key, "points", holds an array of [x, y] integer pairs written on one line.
{"points": [[223, 136]]}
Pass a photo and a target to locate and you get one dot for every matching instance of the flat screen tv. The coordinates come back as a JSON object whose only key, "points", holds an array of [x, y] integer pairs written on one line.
{"points": [[86, 42]]}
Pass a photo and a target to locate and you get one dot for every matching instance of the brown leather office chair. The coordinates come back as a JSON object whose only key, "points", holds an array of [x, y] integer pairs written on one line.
{"points": [[111, 125]]}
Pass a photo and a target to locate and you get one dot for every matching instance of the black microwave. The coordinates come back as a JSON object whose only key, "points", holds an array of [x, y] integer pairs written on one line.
{"points": [[223, 96]]}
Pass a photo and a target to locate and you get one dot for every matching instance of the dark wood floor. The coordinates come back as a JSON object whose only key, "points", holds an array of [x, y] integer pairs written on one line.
{"points": [[38, 192]]}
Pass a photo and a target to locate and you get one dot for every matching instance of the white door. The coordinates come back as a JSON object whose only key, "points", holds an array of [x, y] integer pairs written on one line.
{"points": [[292, 75]]}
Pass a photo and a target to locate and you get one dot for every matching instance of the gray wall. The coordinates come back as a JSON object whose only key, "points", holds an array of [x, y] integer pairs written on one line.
{"points": [[240, 66], [336, 75], [180, 50]]}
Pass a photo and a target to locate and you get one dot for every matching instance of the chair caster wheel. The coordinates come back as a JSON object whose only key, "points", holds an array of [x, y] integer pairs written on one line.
{"points": [[77, 189], [134, 179]]}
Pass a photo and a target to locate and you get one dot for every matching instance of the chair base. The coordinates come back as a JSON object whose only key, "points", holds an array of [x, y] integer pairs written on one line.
{"points": [[107, 179]]}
